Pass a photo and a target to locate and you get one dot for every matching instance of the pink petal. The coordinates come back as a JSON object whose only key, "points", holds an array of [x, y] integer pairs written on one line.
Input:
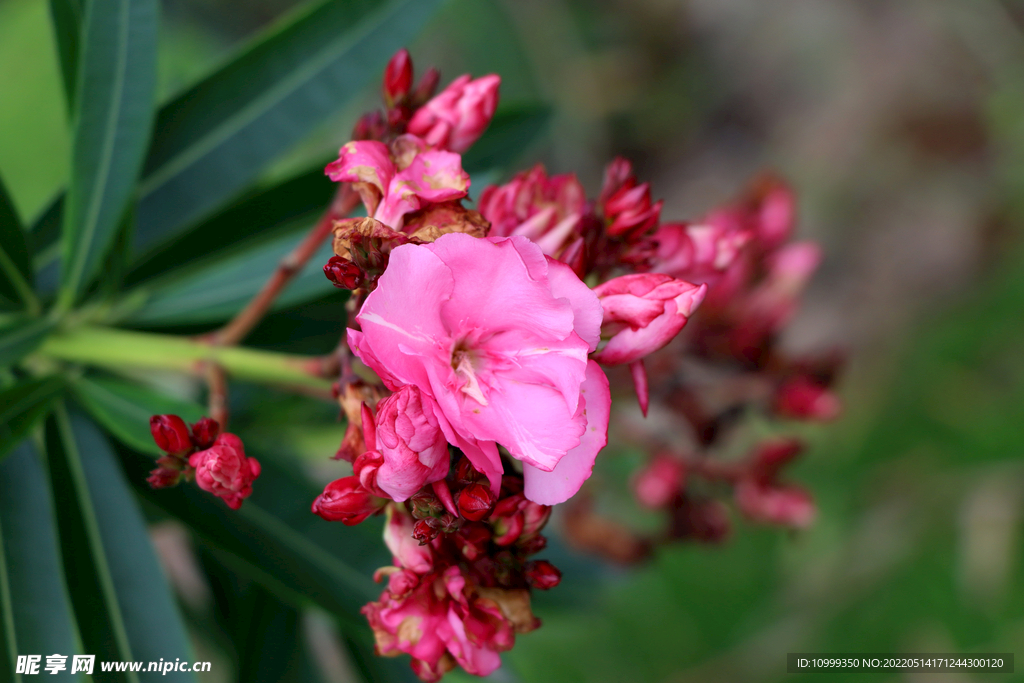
{"points": [[586, 307], [366, 161], [557, 486]]}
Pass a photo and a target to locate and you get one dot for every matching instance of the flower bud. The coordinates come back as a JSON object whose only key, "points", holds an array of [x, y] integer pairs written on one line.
{"points": [[507, 527], [541, 574], [397, 77], [411, 442], [426, 88], [224, 471], [402, 582], [454, 119], [533, 545], [465, 473], [345, 500], [476, 501], [659, 482], [365, 467], [205, 432], [171, 434], [426, 530], [424, 504], [370, 126], [643, 313], [535, 517], [162, 477], [343, 273], [472, 540], [803, 399]]}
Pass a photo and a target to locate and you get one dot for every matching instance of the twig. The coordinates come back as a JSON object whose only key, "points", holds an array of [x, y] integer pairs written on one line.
{"points": [[235, 331], [217, 382]]}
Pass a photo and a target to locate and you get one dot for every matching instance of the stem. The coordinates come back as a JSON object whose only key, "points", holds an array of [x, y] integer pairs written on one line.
{"points": [[28, 297], [345, 200], [217, 403], [117, 349]]}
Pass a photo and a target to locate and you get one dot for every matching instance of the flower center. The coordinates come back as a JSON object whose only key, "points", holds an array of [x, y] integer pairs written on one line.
{"points": [[463, 357]]}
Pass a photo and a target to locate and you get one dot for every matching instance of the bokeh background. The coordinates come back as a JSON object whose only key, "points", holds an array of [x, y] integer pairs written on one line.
{"points": [[901, 126]]}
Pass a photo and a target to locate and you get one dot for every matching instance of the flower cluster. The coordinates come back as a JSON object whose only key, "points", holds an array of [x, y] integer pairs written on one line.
{"points": [[487, 337], [216, 461]]}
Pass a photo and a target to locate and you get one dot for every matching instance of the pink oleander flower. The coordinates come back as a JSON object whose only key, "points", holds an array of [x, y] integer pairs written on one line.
{"points": [[545, 210], [224, 471], [699, 253], [498, 337], [409, 437], [659, 482], [642, 313], [458, 115], [399, 179]]}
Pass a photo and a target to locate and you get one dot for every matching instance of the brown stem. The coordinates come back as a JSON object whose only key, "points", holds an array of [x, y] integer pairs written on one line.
{"points": [[345, 200], [217, 382]]}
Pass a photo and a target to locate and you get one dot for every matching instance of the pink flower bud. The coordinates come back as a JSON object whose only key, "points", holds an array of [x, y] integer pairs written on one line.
{"points": [[659, 482], [626, 205], [224, 471], [803, 399], [535, 517], [345, 500], [541, 574], [426, 530], [171, 434], [205, 432], [365, 467], [402, 582], [163, 477], [455, 118], [476, 501], [407, 551], [343, 273], [472, 540], [643, 313], [771, 504], [410, 439], [426, 88], [770, 457], [397, 77]]}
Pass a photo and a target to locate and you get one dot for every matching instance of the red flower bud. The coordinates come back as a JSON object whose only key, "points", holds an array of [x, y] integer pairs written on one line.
{"points": [[171, 434], [397, 77], [205, 432], [472, 540], [426, 530], [804, 399], [345, 500], [465, 473], [162, 478], [541, 574], [426, 88], [343, 273], [365, 467], [533, 545], [476, 501]]}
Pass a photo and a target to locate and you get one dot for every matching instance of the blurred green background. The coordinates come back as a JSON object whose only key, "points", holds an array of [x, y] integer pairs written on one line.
{"points": [[901, 125]]}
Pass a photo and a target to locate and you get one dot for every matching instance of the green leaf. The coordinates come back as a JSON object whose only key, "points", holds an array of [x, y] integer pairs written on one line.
{"points": [[513, 129], [22, 406], [20, 337], [124, 409], [254, 217], [37, 613], [15, 267], [67, 27], [217, 290], [124, 605], [215, 138], [114, 107]]}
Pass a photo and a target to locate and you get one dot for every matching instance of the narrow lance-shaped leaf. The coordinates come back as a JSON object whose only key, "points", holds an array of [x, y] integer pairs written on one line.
{"points": [[113, 116], [216, 138], [37, 610], [67, 25], [22, 406], [123, 602], [20, 337], [15, 267]]}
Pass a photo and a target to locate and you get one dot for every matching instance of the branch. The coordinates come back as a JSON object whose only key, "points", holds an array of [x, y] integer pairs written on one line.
{"points": [[345, 200]]}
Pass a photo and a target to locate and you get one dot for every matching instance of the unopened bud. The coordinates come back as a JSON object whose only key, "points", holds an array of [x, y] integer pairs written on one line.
{"points": [[426, 530], [162, 478], [476, 501], [171, 434], [472, 540], [343, 273], [424, 504], [397, 77], [533, 545], [205, 432], [426, 88], [345, 500], [541, 574]]}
